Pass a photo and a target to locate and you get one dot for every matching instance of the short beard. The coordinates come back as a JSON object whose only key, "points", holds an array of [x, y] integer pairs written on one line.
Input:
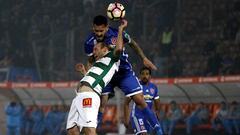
{"points": [[144, 82]]}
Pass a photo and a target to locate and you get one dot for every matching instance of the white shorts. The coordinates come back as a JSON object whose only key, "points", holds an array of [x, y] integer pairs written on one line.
{"points": [[84, 110]]}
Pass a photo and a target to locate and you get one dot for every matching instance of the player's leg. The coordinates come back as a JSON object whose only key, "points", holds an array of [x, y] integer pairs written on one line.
{"points": [[134, 90], [87, 104], [72, 128], [147, 112], [73, 131], [103, 103], [89, 131], [138, 124], [107, 93]]}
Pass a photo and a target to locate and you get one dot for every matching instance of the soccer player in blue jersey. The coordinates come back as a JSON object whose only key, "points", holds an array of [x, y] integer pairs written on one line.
{"points": [[125, 78], [150, 92]]}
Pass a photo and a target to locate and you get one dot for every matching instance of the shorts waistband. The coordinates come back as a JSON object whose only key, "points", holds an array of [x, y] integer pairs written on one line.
{"points": [[85, 87]]}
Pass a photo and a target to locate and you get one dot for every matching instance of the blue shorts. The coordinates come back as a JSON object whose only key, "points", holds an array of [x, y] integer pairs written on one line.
{"points": [[140, 124], [126, 81]]}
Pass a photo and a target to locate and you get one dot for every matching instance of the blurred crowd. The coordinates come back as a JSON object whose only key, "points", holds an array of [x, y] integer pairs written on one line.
{"points": [[220, 118], [33, 120], [186, 38]]}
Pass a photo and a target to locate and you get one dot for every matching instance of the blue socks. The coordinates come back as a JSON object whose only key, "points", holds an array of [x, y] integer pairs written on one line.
{"points": [[152, 119], [99, 118]]}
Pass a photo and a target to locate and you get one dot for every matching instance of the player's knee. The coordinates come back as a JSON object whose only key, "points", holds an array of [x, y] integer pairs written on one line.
{"points": [[73, 131], [139, 100], [89, 131]]}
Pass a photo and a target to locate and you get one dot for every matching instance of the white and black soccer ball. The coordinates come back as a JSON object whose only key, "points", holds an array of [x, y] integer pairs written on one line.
{"points": [[116, 11]]}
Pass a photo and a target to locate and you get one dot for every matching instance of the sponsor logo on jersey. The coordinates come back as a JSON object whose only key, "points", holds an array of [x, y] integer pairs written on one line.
{"points": [[87, 102]]}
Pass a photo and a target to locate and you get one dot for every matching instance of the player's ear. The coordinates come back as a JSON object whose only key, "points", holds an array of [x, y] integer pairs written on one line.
{"points": [[107, 27]]}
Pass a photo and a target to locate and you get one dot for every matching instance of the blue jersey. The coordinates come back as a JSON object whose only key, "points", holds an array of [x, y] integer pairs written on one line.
{"points": [[110, 39], [150, 92]]}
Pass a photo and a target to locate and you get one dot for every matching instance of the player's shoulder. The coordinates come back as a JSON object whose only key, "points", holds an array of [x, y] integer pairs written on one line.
{"points": [[153, 85], [112, 31], [90, 38]]}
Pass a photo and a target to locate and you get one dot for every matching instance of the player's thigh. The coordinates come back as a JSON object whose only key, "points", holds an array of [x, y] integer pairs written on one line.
{"points": [[73, 115], [139, 100], [104, 100], [129, 84], [89, 131], [73, 131]]}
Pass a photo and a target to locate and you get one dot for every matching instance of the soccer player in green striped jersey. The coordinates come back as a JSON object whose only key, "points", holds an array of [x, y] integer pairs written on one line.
{"points": [[84, 108]]}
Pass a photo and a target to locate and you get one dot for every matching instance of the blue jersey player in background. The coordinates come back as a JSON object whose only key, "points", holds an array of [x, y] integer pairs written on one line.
{"points": [[139, 123], [125, 78]]}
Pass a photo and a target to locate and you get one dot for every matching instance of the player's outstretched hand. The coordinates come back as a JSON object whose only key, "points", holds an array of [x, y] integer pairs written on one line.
{"points": [[124, 23], [80, 68], [149, 64]]}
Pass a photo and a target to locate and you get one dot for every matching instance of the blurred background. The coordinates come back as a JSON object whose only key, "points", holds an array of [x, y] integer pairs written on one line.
{"points": [[42, 40]]}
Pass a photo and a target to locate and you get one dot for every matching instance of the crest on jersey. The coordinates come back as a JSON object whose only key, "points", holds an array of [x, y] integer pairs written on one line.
{"points": [[114, 40], [152, 91]]}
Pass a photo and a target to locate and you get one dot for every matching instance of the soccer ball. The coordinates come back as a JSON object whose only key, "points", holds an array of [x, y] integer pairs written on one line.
{"points": [[115, 11]]}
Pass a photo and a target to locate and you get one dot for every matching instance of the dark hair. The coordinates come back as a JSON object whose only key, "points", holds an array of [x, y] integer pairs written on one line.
{"points": [[173, 102], [100, 20], [146, 68]]}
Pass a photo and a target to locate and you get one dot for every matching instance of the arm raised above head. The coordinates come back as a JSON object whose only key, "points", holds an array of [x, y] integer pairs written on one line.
{"points": [[120, 45]]}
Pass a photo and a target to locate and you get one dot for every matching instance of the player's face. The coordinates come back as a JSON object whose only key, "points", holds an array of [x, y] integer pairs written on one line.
{"points": [[100, 31], [145, 76], [99, 51]]}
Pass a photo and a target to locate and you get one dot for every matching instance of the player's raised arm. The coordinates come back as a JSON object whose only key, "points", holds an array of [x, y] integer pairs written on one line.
{"points": [[119, 45], [133, 44], [80, 68]]}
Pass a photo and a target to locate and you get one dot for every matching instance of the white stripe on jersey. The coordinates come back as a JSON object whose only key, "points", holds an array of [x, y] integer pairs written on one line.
{"points": [[88, 79], [107, 78], [104, 60], [98, 88], [96, 70]]}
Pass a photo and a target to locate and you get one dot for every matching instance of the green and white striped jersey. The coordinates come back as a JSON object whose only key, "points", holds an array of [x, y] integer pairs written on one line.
{"points": [[102, 71]]}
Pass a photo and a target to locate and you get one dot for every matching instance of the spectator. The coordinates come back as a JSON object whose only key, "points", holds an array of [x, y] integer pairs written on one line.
{"points": [[213, 64], [199, 116], [227, 65], [162, 118], [222, 119], [233, 117], [14, 115], [51, 121], [61, 119], [174, 116], [37, 117], [166, 41]]}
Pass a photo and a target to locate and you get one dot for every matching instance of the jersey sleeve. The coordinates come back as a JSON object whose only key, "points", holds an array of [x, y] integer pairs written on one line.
{"points": [[156, 96], [126, 37], [88, 48]]}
